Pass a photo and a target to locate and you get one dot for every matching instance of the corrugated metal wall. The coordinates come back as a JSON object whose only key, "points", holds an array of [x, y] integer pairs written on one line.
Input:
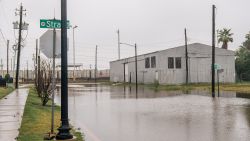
{"points": [[199, 58]]}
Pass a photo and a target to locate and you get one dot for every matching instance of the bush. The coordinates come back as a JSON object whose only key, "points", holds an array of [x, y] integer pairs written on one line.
{"points": [[2, 82], [7, 78], [11, 80], [44, 88]]}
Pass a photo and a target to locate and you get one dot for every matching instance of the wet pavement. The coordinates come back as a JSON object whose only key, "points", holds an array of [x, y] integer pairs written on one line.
{"points": [[11, 111], [116, 113]]}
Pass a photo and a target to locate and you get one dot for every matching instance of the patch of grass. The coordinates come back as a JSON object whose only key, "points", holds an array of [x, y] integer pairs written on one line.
{"points": [[237, 87], [78, 135], [170, 87], [5, 91], [37, 119]]}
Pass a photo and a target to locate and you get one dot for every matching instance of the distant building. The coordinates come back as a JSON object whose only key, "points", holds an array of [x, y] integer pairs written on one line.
{"points": [[169, 66]]}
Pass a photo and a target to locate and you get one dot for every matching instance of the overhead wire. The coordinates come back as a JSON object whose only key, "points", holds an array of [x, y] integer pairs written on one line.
{"points": [[3, 37]]}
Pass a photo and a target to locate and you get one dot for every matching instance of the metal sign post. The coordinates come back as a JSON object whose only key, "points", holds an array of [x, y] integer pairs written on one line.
{"points": [[53, 81], [218, 82], [217, 67], [218, 79]]}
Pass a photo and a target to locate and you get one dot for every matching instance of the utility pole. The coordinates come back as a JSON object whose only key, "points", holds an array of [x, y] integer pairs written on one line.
{"points": [[213, 51], [14, 61], [186, 55], [129, 77], [119, 53], [11, 65], [64, 129], [124, 75], [2, 67], [19, 43], [8, 43], [27, 70], [96, 62], [136, 83], [90, 72], [38, 68], [74, 55], [36, 62]]}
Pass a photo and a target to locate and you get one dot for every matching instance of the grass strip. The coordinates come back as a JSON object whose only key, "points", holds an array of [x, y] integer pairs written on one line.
{"points": [[37, 119], [235, 87], [5, 91]]}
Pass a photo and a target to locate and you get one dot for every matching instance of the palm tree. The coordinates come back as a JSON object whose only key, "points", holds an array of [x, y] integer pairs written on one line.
{"points": [[225, 36], [248, 36], [247, 42]]}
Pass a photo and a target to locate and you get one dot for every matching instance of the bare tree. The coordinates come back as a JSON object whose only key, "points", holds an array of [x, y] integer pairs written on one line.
{"points": [[44, 88]]}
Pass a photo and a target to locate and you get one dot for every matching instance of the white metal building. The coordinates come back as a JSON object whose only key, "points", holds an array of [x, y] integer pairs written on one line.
{"points": [[169, 66]]}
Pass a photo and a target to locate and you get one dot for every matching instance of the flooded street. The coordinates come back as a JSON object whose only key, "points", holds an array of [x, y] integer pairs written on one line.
{"points": [[116, 113]]}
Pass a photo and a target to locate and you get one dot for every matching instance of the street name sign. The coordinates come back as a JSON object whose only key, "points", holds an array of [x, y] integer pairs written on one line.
{"points": [[51, 23], [217, 66]]}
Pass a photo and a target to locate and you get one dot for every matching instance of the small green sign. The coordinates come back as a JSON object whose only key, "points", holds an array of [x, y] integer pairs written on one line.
{"points": [[217, 66], [51, 23]]}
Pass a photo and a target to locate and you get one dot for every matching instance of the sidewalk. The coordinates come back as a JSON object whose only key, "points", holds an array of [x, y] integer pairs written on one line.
{"points": [[11, 112]]}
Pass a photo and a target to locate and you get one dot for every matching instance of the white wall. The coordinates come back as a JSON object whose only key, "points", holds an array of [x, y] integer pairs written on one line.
{"points": [[199, 66]]}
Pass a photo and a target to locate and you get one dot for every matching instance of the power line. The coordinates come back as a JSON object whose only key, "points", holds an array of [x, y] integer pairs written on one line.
{"points": [[3, 37]]}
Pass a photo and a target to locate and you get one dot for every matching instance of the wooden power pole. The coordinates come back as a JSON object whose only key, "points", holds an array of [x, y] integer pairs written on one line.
{"points": [[186, 55], [213, 51], [96, 62], [8, 43]]}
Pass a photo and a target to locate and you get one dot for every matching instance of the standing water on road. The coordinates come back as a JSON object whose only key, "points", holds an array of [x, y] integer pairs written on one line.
{"points": [[116, 113]]}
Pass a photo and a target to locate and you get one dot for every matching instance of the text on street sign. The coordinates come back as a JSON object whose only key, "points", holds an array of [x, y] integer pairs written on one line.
{"points": [[47, 23]]}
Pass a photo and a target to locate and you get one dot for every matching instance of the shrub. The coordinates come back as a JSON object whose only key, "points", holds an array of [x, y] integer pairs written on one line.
{"points": [[7, 78], [44, 88]]}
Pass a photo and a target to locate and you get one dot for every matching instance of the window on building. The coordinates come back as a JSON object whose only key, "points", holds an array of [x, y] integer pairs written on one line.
{"points": [[178, 62], [147, 62], [153, 62], [170, 62]]}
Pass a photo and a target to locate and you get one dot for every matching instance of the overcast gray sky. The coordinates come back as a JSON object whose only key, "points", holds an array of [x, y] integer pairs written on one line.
{"points": [[152, 24]]}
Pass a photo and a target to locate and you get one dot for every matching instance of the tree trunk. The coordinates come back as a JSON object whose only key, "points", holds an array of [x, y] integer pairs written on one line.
{"points": [[224, 45]]}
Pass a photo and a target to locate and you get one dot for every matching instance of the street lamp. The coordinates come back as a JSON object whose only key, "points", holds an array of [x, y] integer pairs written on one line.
{"points": [[135, 46], [74, 51], [64, 129]]}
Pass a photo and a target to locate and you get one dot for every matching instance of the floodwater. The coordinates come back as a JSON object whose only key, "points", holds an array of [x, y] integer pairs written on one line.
{"points": [[116, 113]]}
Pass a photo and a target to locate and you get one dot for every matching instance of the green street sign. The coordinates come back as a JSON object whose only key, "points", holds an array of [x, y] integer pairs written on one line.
{"points": [[51, 23], [217, 66]]}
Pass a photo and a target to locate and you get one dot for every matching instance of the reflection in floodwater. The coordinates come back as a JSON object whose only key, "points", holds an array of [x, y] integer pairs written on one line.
{"points": [[116, 113]]}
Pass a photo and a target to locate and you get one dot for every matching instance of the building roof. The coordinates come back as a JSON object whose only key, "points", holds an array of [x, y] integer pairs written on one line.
{"points": [[193, 45]]}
